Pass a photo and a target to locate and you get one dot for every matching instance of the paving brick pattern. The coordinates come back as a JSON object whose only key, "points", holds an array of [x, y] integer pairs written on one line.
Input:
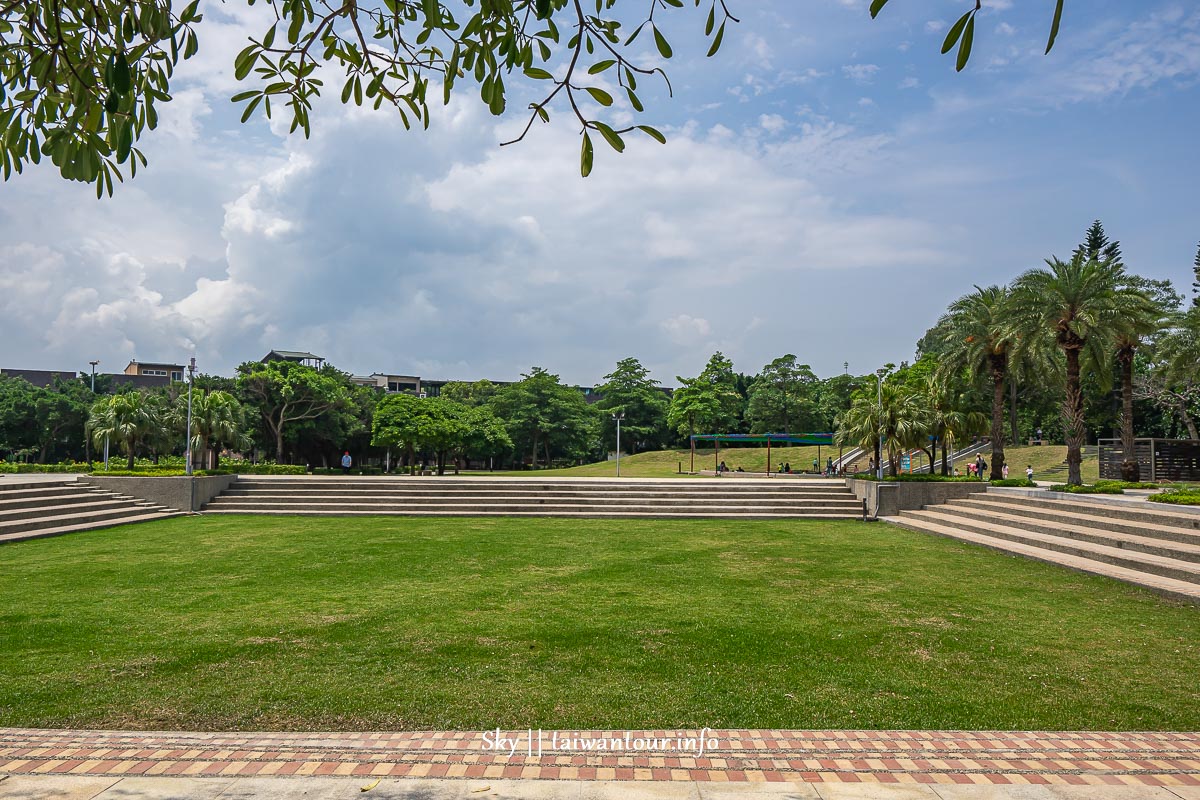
{"points": [[885, 757]]}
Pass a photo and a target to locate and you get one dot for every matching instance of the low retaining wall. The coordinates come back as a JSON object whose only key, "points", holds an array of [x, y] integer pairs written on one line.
{"points": [[886, 499], [181, 493]]}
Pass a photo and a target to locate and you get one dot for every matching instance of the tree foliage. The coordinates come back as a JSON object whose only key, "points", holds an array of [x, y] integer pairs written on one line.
{"points": [[630, 390], [782, 398], [286, 393]]}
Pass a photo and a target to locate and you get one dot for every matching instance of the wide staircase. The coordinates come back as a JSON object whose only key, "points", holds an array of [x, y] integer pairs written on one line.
{"points": [[630, 498], [1152, 547], [35, 509]]}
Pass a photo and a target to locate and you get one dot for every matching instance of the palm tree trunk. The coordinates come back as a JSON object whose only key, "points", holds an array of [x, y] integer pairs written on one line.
{"points": [[945, 454], [999, 363], [1073, 422], [1130, 469], [1012, 410]]}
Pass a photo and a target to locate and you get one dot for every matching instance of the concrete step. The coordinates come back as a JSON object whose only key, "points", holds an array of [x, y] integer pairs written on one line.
{"points": [[76, 505], [238, 490], [1164, 520], [59, 530], [478, 487], [582, 514], [1163, 566], [534, 506], [1151, 537], [33, 492], [419, 500], [1169, 587], [57, 519]]}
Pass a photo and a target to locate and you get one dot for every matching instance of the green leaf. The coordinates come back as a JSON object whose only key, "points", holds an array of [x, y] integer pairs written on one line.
{"points": [[124, 142], [433, 13], [964, 49], [660, 41], [1058, 9], [955, 31], [586, 157], [543, 9], [600, 96], [634, 101], [600, 66], [122, 82], [612, 137], [538, 74], [716, 45], [876, 7], [653, 133]]}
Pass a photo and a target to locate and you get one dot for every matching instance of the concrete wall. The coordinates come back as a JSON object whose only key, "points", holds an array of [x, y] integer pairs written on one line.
{"points": [[886, 499], [181, 493]]}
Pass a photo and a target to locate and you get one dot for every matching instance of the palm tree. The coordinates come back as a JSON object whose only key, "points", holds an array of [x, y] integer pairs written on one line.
{"points": [[126, 418], [980, 338], [945, 404], [217, 421], [1077, 304], [1140, 315], [898, 414]]}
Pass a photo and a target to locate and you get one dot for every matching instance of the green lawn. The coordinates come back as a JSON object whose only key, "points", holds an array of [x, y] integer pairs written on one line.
{"points": [[667, 463], [376, 623]]}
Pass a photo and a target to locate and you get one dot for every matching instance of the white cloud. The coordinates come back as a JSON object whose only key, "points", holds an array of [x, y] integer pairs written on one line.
{"points": [[935, 26], [860, 73], [686, 329], [909, 83]]}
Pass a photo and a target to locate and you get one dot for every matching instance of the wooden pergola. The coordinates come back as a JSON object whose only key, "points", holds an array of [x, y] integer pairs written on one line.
{"points": [[819, 439]]}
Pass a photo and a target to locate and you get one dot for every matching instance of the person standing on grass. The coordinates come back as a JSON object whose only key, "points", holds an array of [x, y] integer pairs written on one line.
{"points": [[1004, 471], [1029, 473], [346, 462]]}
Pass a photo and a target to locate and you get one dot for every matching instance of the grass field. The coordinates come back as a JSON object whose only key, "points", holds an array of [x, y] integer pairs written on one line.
{"points": [[374, 623], [667, 463]]}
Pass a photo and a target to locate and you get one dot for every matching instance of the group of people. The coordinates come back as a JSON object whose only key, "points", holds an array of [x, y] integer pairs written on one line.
{"points": [[786, 469]]}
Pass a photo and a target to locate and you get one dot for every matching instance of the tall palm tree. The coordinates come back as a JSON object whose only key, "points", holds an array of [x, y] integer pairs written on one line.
{"points": [[1141, 314], [1077, 304], [980, 338], [126, 418]]}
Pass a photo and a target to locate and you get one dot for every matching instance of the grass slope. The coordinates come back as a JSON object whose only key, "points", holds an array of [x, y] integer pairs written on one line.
{"points": [[293, 623], [666, 463]]}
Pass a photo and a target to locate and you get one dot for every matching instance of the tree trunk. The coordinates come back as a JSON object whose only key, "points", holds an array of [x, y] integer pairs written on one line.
{"points": [[945, 454], [546, 445], [1130, 469], [279, 445], [1012, 410], [1073, 421], [129, 449], [1181, 406], [999, 363]]}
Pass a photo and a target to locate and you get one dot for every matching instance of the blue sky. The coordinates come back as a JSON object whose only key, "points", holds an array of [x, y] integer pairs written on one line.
{"points": [[829, 185]]}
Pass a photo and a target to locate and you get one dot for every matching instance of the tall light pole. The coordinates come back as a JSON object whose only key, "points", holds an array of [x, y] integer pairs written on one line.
{"points": [[879, 373], [87, 439], [618, 417], [187, 463]]}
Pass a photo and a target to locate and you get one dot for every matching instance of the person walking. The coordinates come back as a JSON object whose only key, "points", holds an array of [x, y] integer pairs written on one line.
{"points": [[1004, 471], [346, 462], [980, 465], [1029, 472]]}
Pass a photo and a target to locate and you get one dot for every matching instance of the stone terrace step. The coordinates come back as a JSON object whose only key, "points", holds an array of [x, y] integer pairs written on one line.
{"points": [[1170, 587], [42, 533], [582, 514], [1165, 566], [34, 510], [538, 497], [1082, 508], [1173, 543]]}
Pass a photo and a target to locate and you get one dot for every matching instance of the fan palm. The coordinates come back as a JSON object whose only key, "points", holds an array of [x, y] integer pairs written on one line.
{"points": [[980, 338], [945, 406], [1077, 304], [897, 414], [217, 421], [125, 418]]}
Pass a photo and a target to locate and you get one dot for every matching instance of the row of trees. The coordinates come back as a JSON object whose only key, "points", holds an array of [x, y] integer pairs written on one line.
{"points": [[1083, 333]]}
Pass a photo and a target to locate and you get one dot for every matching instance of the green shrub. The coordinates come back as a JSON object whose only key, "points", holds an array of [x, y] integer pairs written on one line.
{"points": [[266, 469], [1177, 497], [39, 469], [1021, 482], [1111, 487]]}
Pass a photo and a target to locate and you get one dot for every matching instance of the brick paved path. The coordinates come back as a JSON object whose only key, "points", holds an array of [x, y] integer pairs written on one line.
{"points": [[926, 757]]}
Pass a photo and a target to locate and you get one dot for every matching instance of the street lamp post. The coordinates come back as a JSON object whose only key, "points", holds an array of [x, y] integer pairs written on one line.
{"points": [[187, 463], [87, 439], [618, 417], [879, 373]]}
